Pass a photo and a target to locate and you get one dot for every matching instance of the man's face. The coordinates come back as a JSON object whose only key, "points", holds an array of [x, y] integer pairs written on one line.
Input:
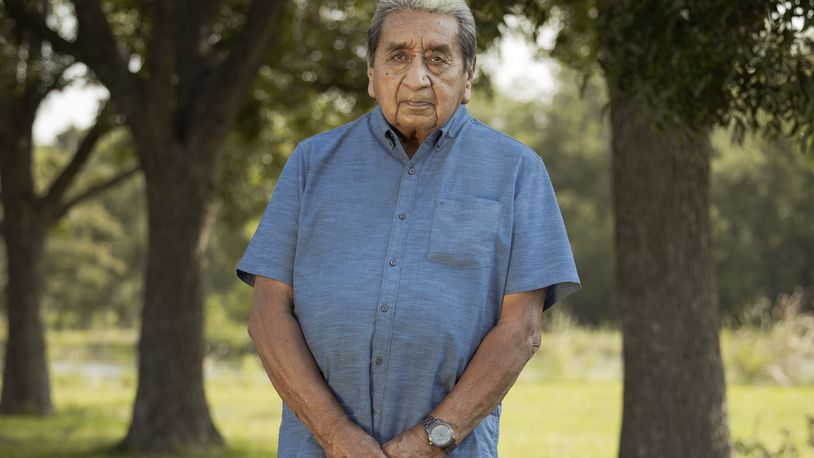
{"points": [[418, 75]]}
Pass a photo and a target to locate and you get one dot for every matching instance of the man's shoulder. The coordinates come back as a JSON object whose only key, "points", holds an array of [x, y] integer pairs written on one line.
{"points": [[357, 127], [490, 140]]}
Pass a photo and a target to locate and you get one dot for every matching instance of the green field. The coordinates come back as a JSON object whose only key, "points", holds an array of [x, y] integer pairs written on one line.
{"points": [[540, 419], [567, 403]]}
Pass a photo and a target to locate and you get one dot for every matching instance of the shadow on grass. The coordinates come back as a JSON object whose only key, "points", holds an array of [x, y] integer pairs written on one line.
{"points": [[93, 432], [10, 448]]}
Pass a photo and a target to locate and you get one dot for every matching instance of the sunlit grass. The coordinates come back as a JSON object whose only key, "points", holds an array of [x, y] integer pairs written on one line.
{"points": [[583, 419], [567, 403], [93, 414], [540, 418], [558, 419]]}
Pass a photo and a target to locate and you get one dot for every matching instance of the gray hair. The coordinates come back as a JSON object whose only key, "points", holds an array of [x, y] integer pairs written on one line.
{"points": [[458, 9]]}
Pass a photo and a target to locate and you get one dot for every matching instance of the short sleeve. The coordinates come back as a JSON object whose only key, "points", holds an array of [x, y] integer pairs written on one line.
{"points": [[540, 254], [270, 252]]}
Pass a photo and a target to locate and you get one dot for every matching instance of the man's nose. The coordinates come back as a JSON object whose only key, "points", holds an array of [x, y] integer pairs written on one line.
{"points": [[418, 75]]}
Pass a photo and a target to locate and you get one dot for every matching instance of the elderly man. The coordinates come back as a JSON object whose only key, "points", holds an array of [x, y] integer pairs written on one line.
{"points": [[404, 261]]}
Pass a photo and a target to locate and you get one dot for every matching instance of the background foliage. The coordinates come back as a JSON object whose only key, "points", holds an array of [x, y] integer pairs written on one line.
{"points": [[762, 213]]}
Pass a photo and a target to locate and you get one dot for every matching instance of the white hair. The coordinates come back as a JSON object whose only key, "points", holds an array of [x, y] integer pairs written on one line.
{"points": [[458, 9]]}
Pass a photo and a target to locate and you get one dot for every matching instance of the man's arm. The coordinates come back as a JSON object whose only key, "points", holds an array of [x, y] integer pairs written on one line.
{"points": [[487, 378], [294, 373]]}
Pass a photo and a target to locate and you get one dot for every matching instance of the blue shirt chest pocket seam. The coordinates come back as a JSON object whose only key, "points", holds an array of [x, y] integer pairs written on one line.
{"points": [[463, 232]]}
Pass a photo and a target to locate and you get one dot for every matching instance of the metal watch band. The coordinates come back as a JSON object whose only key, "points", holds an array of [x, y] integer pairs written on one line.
{"points": [[428, 421]]}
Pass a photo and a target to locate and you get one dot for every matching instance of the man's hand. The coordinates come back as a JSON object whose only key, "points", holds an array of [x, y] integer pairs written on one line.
{"points": [[352, 444], [412, 443]]}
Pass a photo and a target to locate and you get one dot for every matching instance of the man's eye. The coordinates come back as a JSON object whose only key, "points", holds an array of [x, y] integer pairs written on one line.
{"points": [[437, 60], [399, 57]]}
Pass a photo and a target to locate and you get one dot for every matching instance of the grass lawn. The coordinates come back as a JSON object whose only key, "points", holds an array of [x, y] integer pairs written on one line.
{"points": [[540, 418], [567, 403], [556, 419]]}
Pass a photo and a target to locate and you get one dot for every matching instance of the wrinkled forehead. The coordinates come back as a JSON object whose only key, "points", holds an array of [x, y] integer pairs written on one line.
{"points": [[419, 30]]}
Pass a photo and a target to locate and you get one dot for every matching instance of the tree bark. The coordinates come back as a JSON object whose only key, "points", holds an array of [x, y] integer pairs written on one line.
{"points": [[674, 389], [170, 409], [26, 386]]}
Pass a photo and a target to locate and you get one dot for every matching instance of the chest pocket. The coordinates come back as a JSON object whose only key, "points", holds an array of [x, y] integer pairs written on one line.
{"points": [[463, 232]]}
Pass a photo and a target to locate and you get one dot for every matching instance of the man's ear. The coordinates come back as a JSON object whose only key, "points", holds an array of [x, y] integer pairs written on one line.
{"points": [[370, 90], [470, 75]]}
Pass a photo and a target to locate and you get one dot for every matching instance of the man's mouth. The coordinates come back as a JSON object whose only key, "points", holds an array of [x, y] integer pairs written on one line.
{"points": [[416, 103]]}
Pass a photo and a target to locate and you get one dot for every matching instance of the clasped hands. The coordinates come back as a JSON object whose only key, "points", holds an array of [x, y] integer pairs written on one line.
{"points": [[412, 443]]}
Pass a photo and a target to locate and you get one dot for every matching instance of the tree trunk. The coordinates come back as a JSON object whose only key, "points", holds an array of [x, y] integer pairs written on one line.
{"points": [[674, 389], [806, 276], [180, 107], [26, 386], [170, 410]]}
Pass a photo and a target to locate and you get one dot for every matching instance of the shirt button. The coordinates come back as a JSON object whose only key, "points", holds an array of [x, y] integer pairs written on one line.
{"points": [[411, 171], [393, 261], [402, 216], [385, 307], [379, 361]]}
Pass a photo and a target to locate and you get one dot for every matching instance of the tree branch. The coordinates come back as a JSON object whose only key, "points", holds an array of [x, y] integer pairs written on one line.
{"points": [[159, 62], [38, 89], [95, 45], [93, 191], [227, 85], [57, 189], [99, 49], [194, 56], [260, 25], [95, 37], [35, 21], [191, 42]]}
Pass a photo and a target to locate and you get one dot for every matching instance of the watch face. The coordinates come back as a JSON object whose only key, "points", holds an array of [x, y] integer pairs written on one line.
{"points": [[441, 435]]}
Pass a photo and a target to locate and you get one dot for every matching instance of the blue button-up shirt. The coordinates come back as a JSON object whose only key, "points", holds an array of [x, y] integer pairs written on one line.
{"points": [[399, 266]]}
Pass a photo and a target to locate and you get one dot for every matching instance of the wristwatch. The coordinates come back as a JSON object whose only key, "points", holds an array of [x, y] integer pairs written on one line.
{"points": [[440, 433]]}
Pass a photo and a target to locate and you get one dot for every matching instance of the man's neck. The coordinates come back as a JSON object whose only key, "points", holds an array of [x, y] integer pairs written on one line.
{"points": [[412, 142], [410, 147]]}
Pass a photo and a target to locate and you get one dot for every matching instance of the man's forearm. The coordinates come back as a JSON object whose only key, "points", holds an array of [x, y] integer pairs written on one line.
{"points": [[297, 380], [493, 369], [292, 369], [485, 381]]}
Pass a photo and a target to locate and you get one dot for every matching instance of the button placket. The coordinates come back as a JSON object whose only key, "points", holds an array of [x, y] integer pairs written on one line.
{"points": [[384, 324]]}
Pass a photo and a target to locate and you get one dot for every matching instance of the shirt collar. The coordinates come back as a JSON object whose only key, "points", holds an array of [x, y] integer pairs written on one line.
{"points": [[386, 134]]}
